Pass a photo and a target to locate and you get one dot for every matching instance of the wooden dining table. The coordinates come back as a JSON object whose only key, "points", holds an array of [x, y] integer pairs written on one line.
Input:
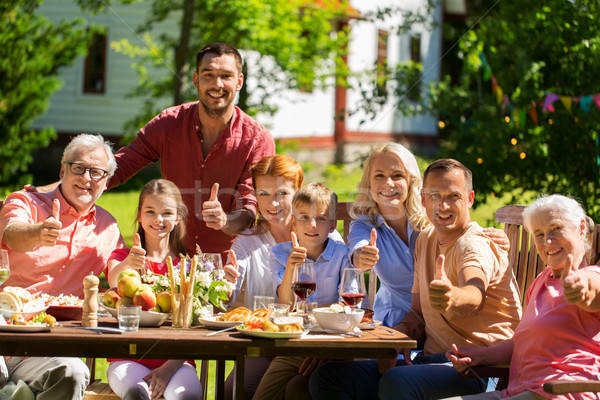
{"points": [[165, 342]]}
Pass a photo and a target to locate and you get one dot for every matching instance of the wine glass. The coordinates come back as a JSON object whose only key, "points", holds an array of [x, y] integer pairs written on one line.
{"points": [[4, 266], [352, 286], [304, 283], [217, 262]]}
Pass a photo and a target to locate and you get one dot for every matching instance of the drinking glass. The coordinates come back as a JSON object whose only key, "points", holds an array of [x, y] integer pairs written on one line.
{"points": [[304, 283], [216, 261], [352, 287], [129, 318], [4, 266]]}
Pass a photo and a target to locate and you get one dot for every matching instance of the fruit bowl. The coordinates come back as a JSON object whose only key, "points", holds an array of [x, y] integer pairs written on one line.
{"points": [[338, 321], [148, 318]]}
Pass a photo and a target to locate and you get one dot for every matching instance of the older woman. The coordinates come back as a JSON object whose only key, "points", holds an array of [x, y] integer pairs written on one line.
{"points": [[559, 334]]}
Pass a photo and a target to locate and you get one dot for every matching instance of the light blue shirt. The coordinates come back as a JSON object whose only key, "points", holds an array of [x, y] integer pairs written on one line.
{"points": [[395, 267], [328, 269]]}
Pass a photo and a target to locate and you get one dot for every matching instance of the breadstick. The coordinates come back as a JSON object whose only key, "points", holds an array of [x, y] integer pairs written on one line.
{"points": [[182, 288], [171, 276]]}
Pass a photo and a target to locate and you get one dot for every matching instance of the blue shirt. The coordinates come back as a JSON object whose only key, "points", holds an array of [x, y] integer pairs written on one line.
{"points": [[394, 268], [328, 269]]}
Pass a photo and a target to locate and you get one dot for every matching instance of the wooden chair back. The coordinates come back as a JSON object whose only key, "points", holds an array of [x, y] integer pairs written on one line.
{"points": [[343, 215], [522, 256]]}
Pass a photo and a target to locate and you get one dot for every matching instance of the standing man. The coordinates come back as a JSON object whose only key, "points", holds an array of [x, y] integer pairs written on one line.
{"points": [[54, 240], [463, 291], [206, 148]]}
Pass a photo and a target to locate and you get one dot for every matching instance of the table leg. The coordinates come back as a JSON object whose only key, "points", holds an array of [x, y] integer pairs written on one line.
{"points": [[238, 382], [220, 380]]}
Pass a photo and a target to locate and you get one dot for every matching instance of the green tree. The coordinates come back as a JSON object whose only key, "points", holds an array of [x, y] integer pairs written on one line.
{"points": [[293, 44], [531, 49], [32, 49]]}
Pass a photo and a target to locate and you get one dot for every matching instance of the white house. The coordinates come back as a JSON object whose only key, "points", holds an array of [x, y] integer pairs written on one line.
{"points": [[92, 98]]}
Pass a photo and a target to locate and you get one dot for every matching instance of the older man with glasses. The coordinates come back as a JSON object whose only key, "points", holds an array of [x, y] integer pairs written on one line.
{"points": [[54, 240]]}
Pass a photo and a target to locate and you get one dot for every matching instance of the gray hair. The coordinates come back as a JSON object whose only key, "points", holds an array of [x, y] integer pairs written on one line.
{"points": [[91, 142], [569, 208]]}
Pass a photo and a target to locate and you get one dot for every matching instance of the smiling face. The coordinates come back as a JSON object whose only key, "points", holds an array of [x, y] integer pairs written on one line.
{"points": [[556, 237], [274, 196], [217, 79], [81, 191], [388, 181], [313, 224], [158, 216], [447, 203]]}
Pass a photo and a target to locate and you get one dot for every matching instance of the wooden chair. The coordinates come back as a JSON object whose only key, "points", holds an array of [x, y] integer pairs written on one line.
{"points": [[343, 214]]}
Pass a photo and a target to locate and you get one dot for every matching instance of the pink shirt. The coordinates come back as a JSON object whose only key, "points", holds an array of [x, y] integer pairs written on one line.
{"points": [[555, 340], [175, 138], [83, 246]]}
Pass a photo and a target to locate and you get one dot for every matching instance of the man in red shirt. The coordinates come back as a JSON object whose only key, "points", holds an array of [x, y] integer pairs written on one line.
{"points": [[205, 147]]}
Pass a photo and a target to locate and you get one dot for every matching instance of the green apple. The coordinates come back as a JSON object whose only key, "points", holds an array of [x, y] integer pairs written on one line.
{"points": [[128, 272], [163, 300], [129, 285], [124, 301], [110, 298]]}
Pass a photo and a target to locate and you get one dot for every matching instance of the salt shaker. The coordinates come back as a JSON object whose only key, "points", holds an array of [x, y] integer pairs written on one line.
{"points": [[90, 301]]}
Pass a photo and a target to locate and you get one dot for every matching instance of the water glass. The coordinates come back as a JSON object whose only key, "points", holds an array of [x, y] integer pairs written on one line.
{"points": [[278, 310], [129, 318], [263, 302]]}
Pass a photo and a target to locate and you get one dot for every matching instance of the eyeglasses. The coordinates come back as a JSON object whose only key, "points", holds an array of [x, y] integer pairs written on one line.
{"points": [[79, 169]]}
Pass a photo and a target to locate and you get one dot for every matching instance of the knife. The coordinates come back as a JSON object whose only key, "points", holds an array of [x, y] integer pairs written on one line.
{"points": [[98, 329]]}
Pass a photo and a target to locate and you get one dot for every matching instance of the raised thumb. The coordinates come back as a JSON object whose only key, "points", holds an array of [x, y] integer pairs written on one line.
{"points": [[294, 239], [233, 259], [214, 191], [440, 273], [568, 266], [373, 239], [137, 241], [56, 209]]}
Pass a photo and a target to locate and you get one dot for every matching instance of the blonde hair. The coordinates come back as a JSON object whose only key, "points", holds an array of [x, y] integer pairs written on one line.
{"points": [[277, 165], [319, 194], [167, 188], [366, 205]]}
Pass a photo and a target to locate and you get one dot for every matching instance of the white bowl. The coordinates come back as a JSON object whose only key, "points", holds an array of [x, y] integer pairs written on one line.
{"points": [[342, 322], [148, 318]]}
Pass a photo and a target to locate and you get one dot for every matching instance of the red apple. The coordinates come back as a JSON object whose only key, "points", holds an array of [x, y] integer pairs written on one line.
{"points": [[145, 297], [129, 285], [163, 300], [111, 297]]}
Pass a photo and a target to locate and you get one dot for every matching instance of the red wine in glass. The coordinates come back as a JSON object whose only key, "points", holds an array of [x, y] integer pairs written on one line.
{"points": [[352, 299], [352, 286], [304, 289]]}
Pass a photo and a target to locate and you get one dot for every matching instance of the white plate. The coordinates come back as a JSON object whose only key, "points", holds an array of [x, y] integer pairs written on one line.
{"points": [[211, 322], [24, 328], [147, 318], [272, 335], [7, 314], [365, 327]]}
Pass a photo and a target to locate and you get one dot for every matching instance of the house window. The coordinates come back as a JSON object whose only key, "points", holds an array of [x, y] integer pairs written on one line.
{"points": [[382, 54], [415, 56], [94, 76]]}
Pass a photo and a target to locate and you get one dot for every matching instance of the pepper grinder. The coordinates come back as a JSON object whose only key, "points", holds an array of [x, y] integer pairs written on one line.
{"points": [[89, 316]]}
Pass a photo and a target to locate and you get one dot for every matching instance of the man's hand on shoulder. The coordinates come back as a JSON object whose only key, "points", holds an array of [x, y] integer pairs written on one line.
{"points": [[41, 189]]}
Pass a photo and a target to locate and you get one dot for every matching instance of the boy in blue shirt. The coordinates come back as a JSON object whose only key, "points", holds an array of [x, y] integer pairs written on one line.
{"points": [[313, 218]]}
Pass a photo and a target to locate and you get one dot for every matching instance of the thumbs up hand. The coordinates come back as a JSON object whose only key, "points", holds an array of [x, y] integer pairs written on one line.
{"points": [[369, 255], [137, 255], [232, 269], [50, 228], [212, 211], [575, 284], [440, 288], [298, 254]]}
